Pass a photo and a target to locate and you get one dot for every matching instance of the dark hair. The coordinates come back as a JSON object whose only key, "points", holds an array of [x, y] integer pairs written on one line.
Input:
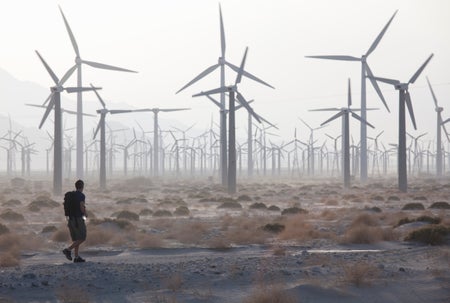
{"points": [[79, 184]]}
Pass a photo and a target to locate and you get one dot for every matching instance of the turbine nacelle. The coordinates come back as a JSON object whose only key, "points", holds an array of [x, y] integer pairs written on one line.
{"points": [[57, 89], [221, 61]]}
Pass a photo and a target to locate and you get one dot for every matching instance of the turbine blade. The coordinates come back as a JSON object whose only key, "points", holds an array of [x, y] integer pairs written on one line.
{"points": [[48, 110], [247, 74], [241, 68], [349, 98], [214, 101], [305, 124], [106, 66], [443, 126], [200, 76], [79, 89], [49, 70], [48, 99], [213, 91], [98, 96], [71, 36], [67, 75], [432, 93], [98, 126], [330, 109], [386, 80], [361, 119], [380, 35], [36, 105], [333, 118], [243, 102], [376, 87], [173, 109], [335, 57], [222, 33], [419, 71], [410, 109], [120, 111]]}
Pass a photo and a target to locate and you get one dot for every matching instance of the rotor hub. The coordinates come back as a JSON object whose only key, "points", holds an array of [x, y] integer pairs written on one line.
{"points": [[78, 60], [221, 60]]}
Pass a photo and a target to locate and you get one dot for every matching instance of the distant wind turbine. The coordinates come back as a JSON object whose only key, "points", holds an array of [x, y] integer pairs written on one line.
{"points": [[365, 71], [404, 99], [78, 63], [345, 114]]}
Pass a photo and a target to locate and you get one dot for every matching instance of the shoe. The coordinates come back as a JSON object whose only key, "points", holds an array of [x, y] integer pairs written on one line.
{"points": [[78, 259], [67, 253]]}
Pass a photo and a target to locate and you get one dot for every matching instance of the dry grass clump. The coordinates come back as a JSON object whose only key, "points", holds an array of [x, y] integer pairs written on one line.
{"points": [[10, 215], [174, 282], [43, 202], [182, 211], [270, 294], [360, 274], [162, 213], [413, 206], [112, 223], [440, 205], [365, 229], [9, 250], [393, 198], [428, 219], [3, 229], [246, 231], [12, 203], [97, 236], [273, 228], [61, 235], [294, 211], [191, 232], [127, 215], [146, 212], [432, 235], [258, 205], [296, 228], [274, 208], [230, 204], [49, 229], [244, 198], [132, 200]]}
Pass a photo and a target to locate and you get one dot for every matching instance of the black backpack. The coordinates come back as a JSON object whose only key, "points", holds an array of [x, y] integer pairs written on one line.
{"points": [[70, 204]]}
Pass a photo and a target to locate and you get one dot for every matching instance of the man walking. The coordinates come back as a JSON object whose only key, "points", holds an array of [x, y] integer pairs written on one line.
{"points": [[76, 224]]}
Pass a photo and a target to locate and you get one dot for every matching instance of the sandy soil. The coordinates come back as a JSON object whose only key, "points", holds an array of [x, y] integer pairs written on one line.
{"points": [[340, 246]]}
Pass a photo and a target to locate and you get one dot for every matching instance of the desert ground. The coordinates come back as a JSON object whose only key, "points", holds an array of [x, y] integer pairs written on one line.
{"points": [[284, 240]]}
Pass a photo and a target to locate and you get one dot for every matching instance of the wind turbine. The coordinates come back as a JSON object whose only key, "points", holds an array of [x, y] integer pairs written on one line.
{"points": [[440, 125], [55, 103], [232, 91], [78, 63], [345, 114], [223, 126], [102, 128], [365, 71], [311, 147], [404, 98], [155, 131]]}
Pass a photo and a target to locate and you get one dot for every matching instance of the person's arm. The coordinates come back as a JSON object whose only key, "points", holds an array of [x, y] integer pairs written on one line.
{"points": [[83, 208]]}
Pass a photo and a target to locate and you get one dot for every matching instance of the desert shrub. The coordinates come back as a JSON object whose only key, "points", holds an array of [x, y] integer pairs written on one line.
{"points": [[296, 228], [432, 234], [3, 229], [61, 235], [98, 236], [258, 205], [365, 219], [428, 219], [127, 215], [360, 274], [209, 199], [12, 202], [174, 282], [274, 228], [10, 215], [365, 229], [270, 294], [148, 241], [294, 211], [162, 213], [374, 209], [10, 258], [440, 205], [225, 199], [132, 200], [49, 229], [274, 208], [244, 198], [413, 206], [43, 202], [146, 212], [182, 211], [230, 204]]}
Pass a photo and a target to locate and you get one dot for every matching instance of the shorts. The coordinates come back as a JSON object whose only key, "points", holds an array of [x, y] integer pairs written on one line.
{"points": [[77, 229]]}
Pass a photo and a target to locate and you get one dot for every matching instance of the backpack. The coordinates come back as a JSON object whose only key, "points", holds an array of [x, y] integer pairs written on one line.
{"points": [[70, 203]]}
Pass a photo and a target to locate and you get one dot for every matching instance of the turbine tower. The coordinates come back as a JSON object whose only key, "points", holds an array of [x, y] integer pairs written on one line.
{"points": [[440, 125], [223, 114], [365, 71], [78, 63], [404, 99]]}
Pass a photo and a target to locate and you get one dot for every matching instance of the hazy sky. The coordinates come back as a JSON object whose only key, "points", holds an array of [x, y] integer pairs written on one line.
{"points": [[171, 41]]}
